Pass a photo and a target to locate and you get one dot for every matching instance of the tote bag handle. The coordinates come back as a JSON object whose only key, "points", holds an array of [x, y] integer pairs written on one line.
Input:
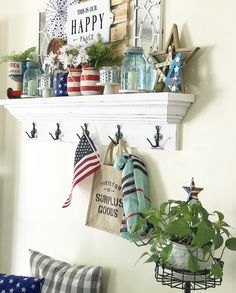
{"points": [[108, 153], [122, 147]]}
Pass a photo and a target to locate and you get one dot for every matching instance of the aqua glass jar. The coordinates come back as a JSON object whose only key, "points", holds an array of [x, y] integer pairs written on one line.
{"points": [[31, 80], [133, 71]]}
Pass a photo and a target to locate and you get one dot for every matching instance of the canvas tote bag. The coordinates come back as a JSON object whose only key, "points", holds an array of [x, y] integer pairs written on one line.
{"points": [[105, 209]]}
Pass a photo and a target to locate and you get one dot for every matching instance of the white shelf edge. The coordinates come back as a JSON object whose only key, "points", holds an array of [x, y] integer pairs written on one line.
{"points": [[104, 112]]}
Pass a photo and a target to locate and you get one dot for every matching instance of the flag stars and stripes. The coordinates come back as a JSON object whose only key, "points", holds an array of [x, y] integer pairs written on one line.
{"points": [[176, 69], [86, 162], [192, 191]]}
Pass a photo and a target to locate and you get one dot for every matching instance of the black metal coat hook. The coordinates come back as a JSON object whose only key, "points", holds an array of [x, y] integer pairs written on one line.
{"points": [[118, 136], [157, 137], [57, 133], [85, 130], [33, 132]]}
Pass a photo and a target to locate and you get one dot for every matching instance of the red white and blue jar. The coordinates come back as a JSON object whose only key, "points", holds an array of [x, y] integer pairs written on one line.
{"points": [[89, 80], [73, 82], [60, 83]]}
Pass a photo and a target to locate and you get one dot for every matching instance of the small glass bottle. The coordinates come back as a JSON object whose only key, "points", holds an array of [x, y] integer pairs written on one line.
{"points": [[151, 78], [31, 80], [133, 71]]}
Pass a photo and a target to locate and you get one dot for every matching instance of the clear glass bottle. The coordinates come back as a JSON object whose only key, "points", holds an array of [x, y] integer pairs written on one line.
{"points": [[151, 78], [31, 80], [133, 71]]}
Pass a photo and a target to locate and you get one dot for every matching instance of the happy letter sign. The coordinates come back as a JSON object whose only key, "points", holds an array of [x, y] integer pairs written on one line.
{"points": [[88, 19]]}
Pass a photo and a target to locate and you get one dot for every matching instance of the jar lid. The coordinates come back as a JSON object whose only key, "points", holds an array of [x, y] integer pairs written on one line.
{"points": [[137, 50]]}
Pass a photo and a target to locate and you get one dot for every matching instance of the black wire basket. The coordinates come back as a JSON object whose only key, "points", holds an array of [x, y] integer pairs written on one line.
{"points": [[185, 279]]}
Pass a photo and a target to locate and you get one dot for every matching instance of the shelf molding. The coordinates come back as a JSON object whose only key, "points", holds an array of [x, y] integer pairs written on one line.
{"points": [[103, 112]]}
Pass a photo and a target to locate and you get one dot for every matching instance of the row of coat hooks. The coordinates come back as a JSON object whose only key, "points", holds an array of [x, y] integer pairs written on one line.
{"points": [[118, 135]]}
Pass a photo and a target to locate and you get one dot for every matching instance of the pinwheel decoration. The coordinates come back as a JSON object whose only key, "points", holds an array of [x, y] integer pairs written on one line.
{"points": [[56, 17]]}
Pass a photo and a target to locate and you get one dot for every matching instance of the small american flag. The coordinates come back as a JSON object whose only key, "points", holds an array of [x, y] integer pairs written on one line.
{"points": [[87, 162]]}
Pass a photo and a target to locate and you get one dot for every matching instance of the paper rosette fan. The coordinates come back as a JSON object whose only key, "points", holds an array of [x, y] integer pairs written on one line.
{"points": [[56, 17]]}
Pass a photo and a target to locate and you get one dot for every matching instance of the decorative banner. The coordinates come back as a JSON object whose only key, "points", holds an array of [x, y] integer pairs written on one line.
{"points": [[88, 19]]}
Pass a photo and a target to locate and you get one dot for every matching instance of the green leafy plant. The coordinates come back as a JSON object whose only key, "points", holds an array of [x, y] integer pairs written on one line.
{"points": [[187, 224], [101, 54], [23, 56]]}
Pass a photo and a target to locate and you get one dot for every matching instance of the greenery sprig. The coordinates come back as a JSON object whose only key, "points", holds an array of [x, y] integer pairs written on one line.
{"points": [[26, 55], [101, 54]]}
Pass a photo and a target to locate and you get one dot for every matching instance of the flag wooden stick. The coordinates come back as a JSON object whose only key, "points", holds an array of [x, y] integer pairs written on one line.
{"points": [[91, 145]]}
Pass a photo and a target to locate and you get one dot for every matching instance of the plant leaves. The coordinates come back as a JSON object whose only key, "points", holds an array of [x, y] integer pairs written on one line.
{"points": [[220, 215], [203, 212], [218, 240], [142, 255], [152, 258], [137, 226], [166, 251], [163, 208], [204, 234], [193, 264], [26, 55], [153, 247], [205, 250], [217, 270], [225, 231], [230, 243], [224, 224], [153, 218], [178, 227], [146, 212]]}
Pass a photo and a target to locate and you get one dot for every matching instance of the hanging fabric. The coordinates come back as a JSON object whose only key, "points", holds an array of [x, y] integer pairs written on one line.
{"points": [[135, 190]]}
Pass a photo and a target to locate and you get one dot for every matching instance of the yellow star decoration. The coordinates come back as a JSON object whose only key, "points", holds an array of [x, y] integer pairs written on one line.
{"points": [[165, 57]]}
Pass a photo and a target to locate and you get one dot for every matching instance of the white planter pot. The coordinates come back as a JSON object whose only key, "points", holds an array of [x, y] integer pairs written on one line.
{"points": [[179, 260]]}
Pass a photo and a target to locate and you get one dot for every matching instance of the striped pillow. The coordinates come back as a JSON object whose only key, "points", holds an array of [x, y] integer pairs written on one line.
{"points": [[61, 277]]}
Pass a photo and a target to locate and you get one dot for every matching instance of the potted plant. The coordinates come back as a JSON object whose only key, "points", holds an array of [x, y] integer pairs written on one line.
{"points": [[72, 58], [101, 56], [66, 66], [17, 64], [185, 236]]}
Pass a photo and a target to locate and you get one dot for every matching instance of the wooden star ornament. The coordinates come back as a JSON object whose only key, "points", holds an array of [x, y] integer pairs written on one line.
{"points": [[166, 57]]}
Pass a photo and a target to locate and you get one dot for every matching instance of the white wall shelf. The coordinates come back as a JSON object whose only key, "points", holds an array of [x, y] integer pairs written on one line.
{"points": [[137, 114]]}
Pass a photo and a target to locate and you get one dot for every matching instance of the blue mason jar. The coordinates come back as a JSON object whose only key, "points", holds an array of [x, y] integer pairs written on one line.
{"points": [[31, 79], [133, 71]]}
